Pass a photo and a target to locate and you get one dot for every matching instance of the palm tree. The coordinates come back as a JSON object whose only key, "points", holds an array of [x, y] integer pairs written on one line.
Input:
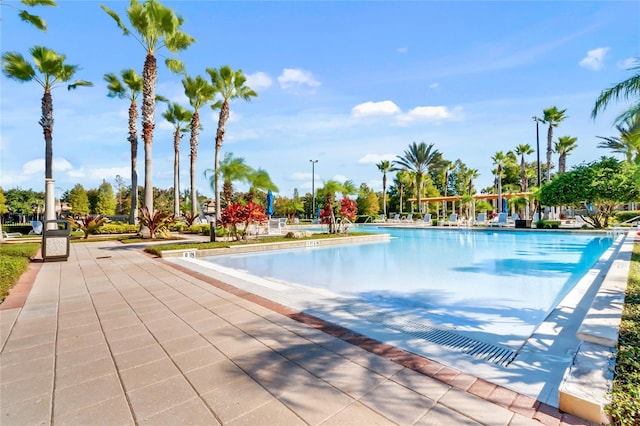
{"points": [[623, 90], [499, 159], [563, 147], [231, 169], [447, 167], [260, 180], [129, 88], [229, 85], [384, 166], [199, 92], [155, 26], [522, 150], [628, 143], [419, 158], [180, 117], [404, 178], [553, 117], [50, 71], [329, 190], [34, 20]]}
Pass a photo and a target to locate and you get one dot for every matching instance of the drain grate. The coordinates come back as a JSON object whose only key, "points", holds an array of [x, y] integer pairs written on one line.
{"points": [[494, 354]]}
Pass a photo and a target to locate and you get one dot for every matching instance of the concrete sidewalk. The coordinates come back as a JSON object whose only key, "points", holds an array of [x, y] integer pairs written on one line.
{"points": [[115, 337]]}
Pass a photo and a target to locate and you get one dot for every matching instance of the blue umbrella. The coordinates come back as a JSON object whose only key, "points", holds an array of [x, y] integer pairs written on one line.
{"points": [[269, 203]]}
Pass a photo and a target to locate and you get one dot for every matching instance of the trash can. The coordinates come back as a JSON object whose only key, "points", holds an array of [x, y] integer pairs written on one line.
{"points": [[523, 223], [56, 236]]}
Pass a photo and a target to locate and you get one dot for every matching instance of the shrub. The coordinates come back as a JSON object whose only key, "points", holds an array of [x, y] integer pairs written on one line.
{"points": [[88, 224], [548, 224], [625, 395], [158, 222], [623, 216], [119, 228]]}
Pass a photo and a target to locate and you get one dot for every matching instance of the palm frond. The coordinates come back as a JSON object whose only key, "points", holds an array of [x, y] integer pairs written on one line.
{"points": [[38, 2], [34, 20], [15, 66], [116, 18], [79, 83]]}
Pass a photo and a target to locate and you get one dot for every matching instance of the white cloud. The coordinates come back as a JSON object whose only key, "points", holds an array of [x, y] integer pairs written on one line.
{"points": [[108, 173], [37, 166], [376, 158], [593, 60], [404, 49], [367, 109], [300, 176], [628, 63], [340, 178], [259, 80], [430, 113], [434, 85], [296, 78], [376, 184]]}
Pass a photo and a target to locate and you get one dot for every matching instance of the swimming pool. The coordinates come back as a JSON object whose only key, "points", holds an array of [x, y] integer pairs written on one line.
{"points": [[490, 286]]}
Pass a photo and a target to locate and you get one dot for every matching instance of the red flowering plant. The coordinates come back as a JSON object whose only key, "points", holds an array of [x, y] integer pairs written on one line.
{"points": [[235, 214], [348, 210], [253, 213], [327, 217]]}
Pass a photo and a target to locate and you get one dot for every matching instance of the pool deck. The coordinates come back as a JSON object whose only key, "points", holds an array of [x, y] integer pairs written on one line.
{"points": [[116, 337]]}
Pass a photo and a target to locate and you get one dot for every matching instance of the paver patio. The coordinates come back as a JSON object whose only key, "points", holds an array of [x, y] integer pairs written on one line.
{"points": [[115, 337]]}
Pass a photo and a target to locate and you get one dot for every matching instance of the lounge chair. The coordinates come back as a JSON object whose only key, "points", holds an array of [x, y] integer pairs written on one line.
{"points": [[453, 220], [36, 227], [11, 234], [409, 218], [380, 219], [482, 219], [500, 220], [396, 218], [276, 227], [426, 219]]}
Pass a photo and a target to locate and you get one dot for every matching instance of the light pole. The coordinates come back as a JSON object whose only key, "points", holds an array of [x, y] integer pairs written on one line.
{"points": [[538, 120], [313, 188]]}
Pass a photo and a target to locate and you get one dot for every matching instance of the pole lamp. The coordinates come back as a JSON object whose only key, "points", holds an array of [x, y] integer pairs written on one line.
{"points": [[313, 188], [538, 120]]}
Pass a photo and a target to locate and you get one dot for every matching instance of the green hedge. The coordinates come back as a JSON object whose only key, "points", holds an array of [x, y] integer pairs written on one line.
{"points": [[623, 216], [118, 228]]}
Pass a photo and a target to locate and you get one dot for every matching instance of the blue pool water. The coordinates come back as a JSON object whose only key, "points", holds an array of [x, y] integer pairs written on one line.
{"points": [[494, 285]]}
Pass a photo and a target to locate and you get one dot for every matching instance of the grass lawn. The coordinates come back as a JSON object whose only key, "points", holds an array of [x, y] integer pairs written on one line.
{"points": [[14, 260]]}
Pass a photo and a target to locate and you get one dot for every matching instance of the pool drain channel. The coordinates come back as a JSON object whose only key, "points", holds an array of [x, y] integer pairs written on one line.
{"points": [[498, 355]]}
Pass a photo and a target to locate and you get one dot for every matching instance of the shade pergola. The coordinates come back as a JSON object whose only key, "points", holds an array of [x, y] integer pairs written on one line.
{"points": [[476, 197], [458, 198]]}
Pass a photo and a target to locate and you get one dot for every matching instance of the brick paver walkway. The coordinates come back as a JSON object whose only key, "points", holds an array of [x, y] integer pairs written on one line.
{"points": [[115, 337]]}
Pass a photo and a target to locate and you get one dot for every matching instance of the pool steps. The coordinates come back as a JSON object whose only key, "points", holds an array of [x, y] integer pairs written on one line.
{"points": [[584, 391]]}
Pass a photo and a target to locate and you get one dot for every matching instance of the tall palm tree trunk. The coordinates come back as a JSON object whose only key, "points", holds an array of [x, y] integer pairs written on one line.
{"points": [[195, 131], [419, 191], [133, 140], [46, 121], [549, 151], [384, 193], [176, 173], [150, 77], [222, 122]]}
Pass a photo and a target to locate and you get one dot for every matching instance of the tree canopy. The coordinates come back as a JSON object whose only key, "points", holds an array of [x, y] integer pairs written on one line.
{"points": [[598, 187]]}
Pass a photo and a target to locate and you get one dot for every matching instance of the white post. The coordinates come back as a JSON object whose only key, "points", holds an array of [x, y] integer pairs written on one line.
{"points": [[50, 201]]}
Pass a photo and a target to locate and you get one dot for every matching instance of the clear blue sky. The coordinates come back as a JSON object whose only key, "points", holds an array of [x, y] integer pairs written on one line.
{"points": [[347, 83]]}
